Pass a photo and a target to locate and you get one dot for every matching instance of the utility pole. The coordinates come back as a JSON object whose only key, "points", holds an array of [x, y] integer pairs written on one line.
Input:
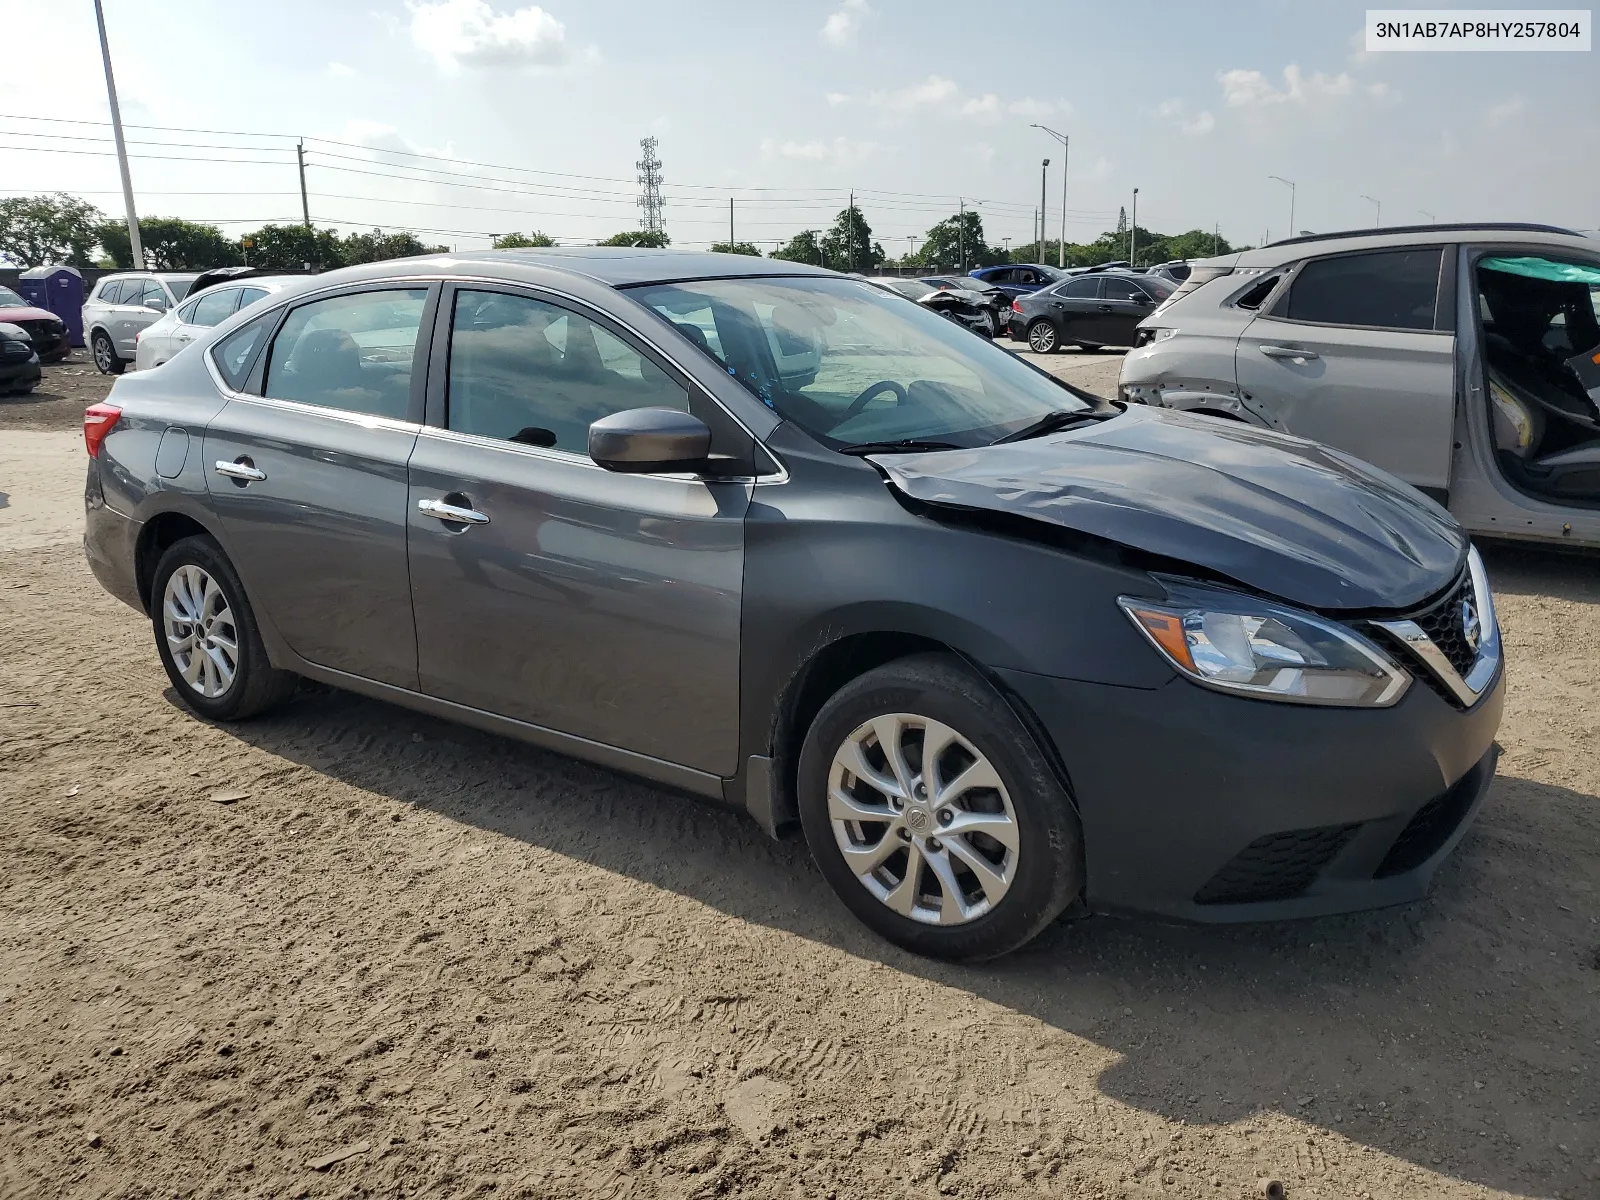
{"points": [[1291, 186], [730, 223], [1007, 242], [961, 232], [1133, 230], [913, 240], [1215, 230], [134, 243], [1377, 218], [305, 205], [1065, 149], [1044, 176], [850, 233]]}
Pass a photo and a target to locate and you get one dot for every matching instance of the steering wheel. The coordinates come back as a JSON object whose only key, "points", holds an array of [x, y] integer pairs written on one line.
{"points": [[865, 398]]}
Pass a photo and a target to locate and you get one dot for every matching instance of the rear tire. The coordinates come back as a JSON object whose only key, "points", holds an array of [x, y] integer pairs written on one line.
{"points": [[1013, 851], [1042, 337], [207, 637], [105, 354]]}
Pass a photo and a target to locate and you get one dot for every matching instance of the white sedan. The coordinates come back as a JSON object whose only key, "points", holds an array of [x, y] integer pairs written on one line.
{"points": [[161, 339]]}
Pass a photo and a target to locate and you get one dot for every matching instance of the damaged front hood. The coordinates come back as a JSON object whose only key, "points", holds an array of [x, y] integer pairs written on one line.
{"points": [[1280, 515]]}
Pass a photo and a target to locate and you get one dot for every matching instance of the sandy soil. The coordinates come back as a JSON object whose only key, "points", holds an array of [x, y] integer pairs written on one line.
{"points": [[349, 951], [1093, 370]]}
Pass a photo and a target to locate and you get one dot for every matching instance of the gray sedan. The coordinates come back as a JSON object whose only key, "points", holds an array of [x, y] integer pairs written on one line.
{"points": [[772, 536]]}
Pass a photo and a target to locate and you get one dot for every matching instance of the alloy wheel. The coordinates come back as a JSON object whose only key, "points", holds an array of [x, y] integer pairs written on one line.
{"points": [[1042, 338], [923, 820], [102, 354], [200, 631]]}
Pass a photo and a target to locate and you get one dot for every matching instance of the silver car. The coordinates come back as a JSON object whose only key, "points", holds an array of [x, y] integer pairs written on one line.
{"points": [[169, 334], [121, 305], [1464, 359]]}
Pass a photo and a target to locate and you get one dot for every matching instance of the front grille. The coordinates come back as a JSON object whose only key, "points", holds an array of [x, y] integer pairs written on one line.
{"points": [[1277, 867], [46, 335], [1445, 625], [1431, 827]]}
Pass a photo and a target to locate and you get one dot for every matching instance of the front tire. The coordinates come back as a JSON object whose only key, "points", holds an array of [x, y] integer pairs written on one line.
{"points": [[1042, 337], [207, 637], [105, 354], [933, 813]]}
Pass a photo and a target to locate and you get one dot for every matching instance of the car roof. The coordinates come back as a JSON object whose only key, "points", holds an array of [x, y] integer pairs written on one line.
{"points": [[1276, 254], [615, 266]]}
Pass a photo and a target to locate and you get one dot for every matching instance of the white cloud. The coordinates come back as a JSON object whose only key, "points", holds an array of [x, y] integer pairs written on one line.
{"points": [[1499, 114], [1029, 107], [339, 71], [835, 99], [842, 26], [468, 33], [934, 90], [1252, 89], [1177, 112], [986, 105], [838, 152], [1102, 168]]}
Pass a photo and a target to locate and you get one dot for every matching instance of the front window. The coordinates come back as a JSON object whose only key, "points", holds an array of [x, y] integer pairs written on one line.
{"points": [[851, 364]]}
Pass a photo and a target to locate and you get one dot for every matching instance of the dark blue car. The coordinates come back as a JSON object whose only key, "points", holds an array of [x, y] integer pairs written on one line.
{"points": [[1018, 279]]}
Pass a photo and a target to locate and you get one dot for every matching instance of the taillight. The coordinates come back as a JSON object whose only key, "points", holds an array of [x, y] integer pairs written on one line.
{"points": [[1016, 306], [97, 422]]}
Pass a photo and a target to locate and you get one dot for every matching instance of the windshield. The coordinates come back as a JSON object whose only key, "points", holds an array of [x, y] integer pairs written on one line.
{"points": [[179, 285], [852, 364], [10, 299]]}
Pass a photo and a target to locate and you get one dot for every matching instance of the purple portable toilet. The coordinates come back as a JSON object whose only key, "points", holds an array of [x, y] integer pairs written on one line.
{"points": [[59, 290]]}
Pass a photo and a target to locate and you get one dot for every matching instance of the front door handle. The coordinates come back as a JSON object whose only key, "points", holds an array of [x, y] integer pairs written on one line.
{"points": [[1288, 352], [452, 513], [1105, 308], [242, 469]]}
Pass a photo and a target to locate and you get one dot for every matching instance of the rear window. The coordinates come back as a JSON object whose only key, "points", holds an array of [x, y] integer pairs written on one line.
{"points": [[1391, 289], [180, 287]]}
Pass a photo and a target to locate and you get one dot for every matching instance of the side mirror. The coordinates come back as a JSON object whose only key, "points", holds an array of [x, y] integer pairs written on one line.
{"points": [[647, 440]]}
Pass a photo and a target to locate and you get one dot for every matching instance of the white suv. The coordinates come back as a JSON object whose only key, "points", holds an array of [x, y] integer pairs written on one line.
{"points": [[1464, 359], [121, 305]]}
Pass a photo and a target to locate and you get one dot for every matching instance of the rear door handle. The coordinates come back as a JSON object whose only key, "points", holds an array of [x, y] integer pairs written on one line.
{"points": [[243, 469], [1105, 308], [1288, 352], [452, 513]]}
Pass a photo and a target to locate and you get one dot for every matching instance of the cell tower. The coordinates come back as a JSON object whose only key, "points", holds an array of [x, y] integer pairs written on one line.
{"points": [[650, 176]]}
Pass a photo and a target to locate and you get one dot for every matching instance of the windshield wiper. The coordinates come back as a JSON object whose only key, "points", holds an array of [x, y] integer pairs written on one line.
{"points": [[1051, 423], [898, 444]]}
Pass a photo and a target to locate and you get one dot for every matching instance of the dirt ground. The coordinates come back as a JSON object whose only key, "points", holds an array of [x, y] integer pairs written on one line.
{"points": [[349, 951]]}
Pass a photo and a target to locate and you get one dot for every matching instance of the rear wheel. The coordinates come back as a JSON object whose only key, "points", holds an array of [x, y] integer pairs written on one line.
{"points": [[1042, 337], [105, 354], [207, 637], [934, 814]]}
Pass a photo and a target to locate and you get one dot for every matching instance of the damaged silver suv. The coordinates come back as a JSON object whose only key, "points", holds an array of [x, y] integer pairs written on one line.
{"points": [[1464, 359]]}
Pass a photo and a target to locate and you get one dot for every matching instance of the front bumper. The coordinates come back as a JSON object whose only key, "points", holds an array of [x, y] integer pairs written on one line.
{"points": [[1205, 807], [16, 373]]}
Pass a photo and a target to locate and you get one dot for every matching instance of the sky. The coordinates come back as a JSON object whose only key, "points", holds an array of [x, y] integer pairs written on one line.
{"points": [[460, 119]]}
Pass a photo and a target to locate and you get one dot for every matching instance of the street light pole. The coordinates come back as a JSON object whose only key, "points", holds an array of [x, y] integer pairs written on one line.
{"points": [[1065, 149], [1290, 182], [1431, 218], [961, 232], [1378, 205], [134, 243], [1044, 175], [1133, 229]]}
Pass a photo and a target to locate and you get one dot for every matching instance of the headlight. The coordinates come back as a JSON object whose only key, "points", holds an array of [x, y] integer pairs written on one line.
{"points": [[1237, 643], [1162, 335]]}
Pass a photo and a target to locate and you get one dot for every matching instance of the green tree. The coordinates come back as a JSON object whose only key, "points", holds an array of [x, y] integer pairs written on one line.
{"points": [[1198, 243], [379, 246], [735, 248], [651, 239], [523, 241], [37, 231], [848, 244], [292, 247], [170, 244], [1122, 219], [803, 247], [955, 240]]}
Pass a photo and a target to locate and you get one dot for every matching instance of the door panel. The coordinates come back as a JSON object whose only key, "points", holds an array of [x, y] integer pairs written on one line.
{"points": [[320, 542], [600, 605], [1384, 395]]}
